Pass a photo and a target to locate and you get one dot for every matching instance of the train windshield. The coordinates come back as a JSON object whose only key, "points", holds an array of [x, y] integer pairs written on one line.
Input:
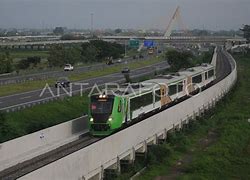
{"points": [[101, 107]]}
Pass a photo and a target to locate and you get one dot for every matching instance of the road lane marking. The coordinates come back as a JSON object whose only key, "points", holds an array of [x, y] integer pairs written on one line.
{"points": [[26, 97]]}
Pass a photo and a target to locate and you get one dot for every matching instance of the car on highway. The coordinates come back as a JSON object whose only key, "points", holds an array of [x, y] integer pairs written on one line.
{"points": [[125, 70], [62, 82], [119, 60], [68, 67]]}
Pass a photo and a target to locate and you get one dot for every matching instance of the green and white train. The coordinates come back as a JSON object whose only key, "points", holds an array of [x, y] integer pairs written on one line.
{"points": [[110, 111]]}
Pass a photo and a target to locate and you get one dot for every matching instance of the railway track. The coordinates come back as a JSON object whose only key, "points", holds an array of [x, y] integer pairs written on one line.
{"points": [[223, 68], [21, 169]]}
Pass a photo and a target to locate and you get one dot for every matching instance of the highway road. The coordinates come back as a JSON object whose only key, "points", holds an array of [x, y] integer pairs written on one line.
{"points": [[55, 74], [16, 100]]}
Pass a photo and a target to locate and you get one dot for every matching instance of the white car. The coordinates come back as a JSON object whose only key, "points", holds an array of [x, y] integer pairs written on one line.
{"points": [[68, 67], [119, 60]]}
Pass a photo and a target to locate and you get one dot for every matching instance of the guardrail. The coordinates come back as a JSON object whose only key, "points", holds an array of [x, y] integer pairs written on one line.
{"points": [[91, 161], [214, 58]]}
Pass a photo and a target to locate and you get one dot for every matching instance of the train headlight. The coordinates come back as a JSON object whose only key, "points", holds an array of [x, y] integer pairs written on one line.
{"points": [[110, 119], [91, 119]]}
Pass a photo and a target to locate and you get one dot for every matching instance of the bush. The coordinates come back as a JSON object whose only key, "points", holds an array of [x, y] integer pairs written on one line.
{"points": [[4, 127], [34, 60], [6, 63], [26, 63], [156, 153]]}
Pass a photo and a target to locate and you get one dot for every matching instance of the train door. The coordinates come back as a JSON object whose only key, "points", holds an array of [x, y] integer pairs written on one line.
{"points": [[165, 99], [189, 86], [127, 111]]}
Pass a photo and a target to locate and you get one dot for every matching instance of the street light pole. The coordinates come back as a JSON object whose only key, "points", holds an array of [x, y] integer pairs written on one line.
{"points": [[92, 22], [125, 49]]}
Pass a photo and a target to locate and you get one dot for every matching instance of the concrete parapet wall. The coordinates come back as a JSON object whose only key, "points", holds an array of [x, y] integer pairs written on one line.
{"points": [[214, 57], [92, 160], [26, 147]]}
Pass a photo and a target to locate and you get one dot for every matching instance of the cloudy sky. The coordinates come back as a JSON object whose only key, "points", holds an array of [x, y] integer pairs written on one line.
{"points": [[143, 14]]}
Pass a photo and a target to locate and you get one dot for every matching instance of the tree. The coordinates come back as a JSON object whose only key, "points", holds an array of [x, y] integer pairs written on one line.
{"points": [[6, 63], [89, 53], [23, 64], [178, 60], [93, 51], [59, 55], [246, 31], [56, 56], [35, 60], [72, 55], [107, 49]]}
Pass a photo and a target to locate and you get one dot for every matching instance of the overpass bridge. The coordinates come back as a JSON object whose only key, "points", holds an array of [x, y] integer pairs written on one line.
{"points": [[40, 45], [221, 40], [91, 157]]}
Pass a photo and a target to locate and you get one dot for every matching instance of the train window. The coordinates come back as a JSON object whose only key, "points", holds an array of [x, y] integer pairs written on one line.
{"points": [[157, 95], [206, 75], [141, 101], [197, 79], [210, 73], [134, 103], [180, 86], [147, 99], [172, 90], [101, 107]]}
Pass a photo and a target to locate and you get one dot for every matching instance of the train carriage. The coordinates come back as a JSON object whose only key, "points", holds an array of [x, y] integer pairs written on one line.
{"points": [[109, 112]]}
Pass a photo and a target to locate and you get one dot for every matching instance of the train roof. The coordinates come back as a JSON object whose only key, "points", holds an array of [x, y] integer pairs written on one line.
{"points": [[146, 86], [196, 70], [164, 79]]}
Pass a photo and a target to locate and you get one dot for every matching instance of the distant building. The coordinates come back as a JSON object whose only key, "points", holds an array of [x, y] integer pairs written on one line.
{"points": [[59, 30]]}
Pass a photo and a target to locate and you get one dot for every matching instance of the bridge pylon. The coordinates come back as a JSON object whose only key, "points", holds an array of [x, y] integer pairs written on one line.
{"points": [[176, 18]]}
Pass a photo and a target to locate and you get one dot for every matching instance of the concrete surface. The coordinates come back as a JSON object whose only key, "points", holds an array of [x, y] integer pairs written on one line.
{"points": [[32, 145]]}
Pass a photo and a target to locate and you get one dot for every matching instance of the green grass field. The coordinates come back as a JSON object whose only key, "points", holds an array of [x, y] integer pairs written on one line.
{"points": [[215, 147], [25, 54], [21, 54], [33, 85]]}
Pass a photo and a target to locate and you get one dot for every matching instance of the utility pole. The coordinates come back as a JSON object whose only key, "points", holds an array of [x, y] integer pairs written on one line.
{"points": [[125, 49], [92, 22]]}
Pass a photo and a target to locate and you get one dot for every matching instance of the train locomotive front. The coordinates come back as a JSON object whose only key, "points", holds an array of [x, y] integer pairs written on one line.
{"points": [[106, 114]]}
